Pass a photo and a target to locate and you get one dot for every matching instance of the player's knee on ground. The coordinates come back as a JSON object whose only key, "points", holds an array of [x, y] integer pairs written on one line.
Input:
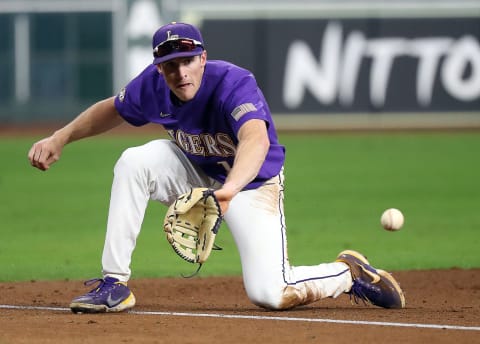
{"points": [[282, 297], [268, 297]]}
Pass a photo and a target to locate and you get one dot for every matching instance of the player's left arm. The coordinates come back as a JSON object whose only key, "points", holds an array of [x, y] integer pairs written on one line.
{"points": [[252, 148]]}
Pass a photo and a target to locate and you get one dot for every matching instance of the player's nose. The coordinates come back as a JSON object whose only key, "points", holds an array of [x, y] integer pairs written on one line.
{"points": [[182, 72]]}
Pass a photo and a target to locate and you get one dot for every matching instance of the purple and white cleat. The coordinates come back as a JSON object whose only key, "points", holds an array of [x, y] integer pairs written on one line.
{"points": [[110, 295], [371, 285]]}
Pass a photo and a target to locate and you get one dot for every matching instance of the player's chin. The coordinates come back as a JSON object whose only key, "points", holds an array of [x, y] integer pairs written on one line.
{"points": [[185, 92]]}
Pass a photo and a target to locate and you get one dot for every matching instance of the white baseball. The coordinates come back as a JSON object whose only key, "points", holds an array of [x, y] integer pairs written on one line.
{"points": [[392, 219]]}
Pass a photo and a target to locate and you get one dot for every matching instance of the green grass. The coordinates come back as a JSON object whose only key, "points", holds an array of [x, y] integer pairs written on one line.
{"points": [[52, 224]]}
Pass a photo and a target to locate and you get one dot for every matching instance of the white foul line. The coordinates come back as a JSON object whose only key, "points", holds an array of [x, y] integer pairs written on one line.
{"points": [[260, 317]]}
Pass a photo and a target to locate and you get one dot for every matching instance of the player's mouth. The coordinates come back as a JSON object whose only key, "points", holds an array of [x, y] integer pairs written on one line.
{"points": [[185, 91], [184, 85]]}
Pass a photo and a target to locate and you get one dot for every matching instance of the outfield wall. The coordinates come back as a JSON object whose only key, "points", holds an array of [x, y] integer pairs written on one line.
{"points": [[319, 63]]}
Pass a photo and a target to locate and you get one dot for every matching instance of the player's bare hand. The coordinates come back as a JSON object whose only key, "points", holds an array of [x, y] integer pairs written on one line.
{"points": [[45, 152], [224, 196]]}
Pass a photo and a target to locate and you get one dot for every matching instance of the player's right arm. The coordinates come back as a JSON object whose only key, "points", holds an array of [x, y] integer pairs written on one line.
{"points": [[98, 118]]}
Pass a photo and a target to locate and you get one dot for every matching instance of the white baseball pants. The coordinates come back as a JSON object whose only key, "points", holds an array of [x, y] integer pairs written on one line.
{"points": [[160, 171]]}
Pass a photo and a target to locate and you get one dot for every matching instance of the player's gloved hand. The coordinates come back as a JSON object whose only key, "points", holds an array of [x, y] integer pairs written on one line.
{"points": [[191, 224]]}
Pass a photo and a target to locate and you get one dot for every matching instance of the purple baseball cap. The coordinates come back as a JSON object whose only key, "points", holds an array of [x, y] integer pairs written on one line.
{"points": [[176, 40]]}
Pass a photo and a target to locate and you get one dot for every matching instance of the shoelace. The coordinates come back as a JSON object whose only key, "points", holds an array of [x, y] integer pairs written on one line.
{"points": [[357, 292], [100, 288]]}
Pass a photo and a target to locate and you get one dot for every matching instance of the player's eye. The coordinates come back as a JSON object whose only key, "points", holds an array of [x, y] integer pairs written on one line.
{"points": [[186, 61]]}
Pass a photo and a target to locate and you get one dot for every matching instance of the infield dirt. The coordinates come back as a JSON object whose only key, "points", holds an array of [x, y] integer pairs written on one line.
{"points": [[439, 297]]}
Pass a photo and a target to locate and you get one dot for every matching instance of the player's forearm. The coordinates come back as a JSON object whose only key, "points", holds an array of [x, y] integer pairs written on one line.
{"points": [[251, 152], [98, 118]]}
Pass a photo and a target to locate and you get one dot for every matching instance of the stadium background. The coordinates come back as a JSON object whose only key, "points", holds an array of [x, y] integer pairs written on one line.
{"points": [[324, 66], [363, 63]]}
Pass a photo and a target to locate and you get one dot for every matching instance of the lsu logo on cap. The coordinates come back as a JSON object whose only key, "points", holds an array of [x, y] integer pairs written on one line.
{"points": [[171, 37]]}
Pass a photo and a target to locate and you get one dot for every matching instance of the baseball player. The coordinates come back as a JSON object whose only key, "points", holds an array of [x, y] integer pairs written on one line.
{"points": [[222, 137]]}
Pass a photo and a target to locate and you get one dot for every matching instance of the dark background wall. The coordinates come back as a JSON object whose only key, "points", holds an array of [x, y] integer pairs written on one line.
{"points": [[366, 65], [310, 66]]}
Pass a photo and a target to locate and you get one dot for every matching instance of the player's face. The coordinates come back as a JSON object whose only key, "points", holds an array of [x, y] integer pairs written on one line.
{"points": [[184, 75]]}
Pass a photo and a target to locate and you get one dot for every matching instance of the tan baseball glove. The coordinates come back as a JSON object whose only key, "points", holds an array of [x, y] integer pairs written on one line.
{"points": [[191, 224]]}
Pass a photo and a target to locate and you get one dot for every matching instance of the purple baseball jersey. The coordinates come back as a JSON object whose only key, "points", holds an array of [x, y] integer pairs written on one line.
{"points": [[206, 127]]}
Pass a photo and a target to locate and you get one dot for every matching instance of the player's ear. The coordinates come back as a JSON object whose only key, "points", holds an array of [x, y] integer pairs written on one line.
{"points": [[159, 68], [203, 58]]}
